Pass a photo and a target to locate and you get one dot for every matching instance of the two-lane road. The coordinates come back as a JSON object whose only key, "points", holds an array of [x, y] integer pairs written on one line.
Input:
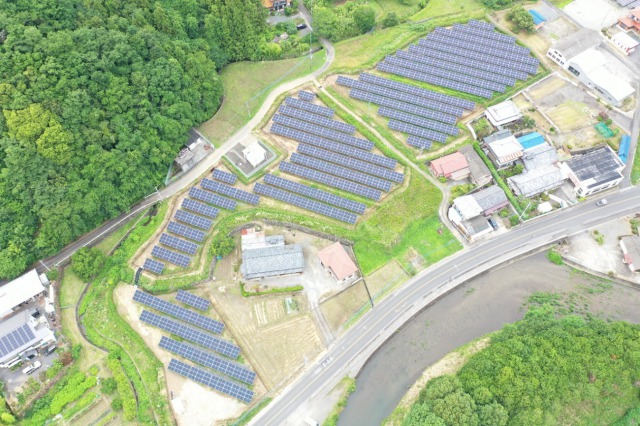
{"points": [[363, 338]]}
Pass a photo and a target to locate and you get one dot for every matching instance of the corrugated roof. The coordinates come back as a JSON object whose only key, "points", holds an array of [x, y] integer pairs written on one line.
{"points": [[449, 164], [577, 42], [19, 290], [490, 197], [537, 17], [539, 156], [272, 261], [479, 170], [337, 259], [536, 181]]}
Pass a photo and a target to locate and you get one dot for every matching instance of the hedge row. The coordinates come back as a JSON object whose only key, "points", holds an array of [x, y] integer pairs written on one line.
{"points": [[76, 387], [124, 389], [292, 289]]}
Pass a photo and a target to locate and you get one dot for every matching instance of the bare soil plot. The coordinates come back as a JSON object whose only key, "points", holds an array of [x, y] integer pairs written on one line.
{"points": [[571, 115], [338, 309], [385, 278]]}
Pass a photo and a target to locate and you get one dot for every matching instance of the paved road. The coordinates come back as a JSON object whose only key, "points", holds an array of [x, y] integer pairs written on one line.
{"points": [[362, 339]]}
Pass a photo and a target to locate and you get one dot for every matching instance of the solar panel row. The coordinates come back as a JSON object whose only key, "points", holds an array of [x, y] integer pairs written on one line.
{"points": [[497, 37], [305, 203], [16, 339], [316, 194], [419, 142], [336, 182], [178, 244], [200, 208], [316, 109], [229, 191], [186, 231], [193, 219], [317, 119], [179, 312], [340, 171], [201, 357], [444, 129], [323, 132], [412, 130], [201, 338], [481, 24], [402, 100], [418, 91], [153, 266], [351, 163], [306, 96], [481, 38], [210, 198], [171, 256], [192, 300], [225, 177], [387, 162], [211, 380]]}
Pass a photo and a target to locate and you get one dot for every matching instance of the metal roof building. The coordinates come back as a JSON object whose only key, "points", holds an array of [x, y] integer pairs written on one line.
{"points": [[539, 156], [479, 173], [272, 262], [486, 201], [19, 291], [536, 181], [503, 148], [594, 170]]}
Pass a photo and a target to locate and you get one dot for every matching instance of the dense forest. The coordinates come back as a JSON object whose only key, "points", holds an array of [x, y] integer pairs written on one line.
{"points": [[96, 97], [542, 370]]}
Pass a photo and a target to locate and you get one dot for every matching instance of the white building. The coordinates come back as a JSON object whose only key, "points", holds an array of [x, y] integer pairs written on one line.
{"points": [[503, 113], [625, 42], [504, 149], [593, 171], [254, 153], [19, 291]]}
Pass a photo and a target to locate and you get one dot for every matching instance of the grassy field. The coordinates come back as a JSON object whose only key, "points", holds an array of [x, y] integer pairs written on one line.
{"points": [[635, 171], [450, 8], [246, 85], [384, 7]]}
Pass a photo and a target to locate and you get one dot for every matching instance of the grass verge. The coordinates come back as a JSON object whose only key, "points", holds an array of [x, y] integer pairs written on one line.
{"points": [[349, 386], [635, 169], [247, 416]]}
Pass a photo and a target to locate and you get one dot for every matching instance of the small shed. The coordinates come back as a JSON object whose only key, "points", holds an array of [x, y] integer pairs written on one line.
{"points": [[254, 153], [338, 262], [538, 19]]}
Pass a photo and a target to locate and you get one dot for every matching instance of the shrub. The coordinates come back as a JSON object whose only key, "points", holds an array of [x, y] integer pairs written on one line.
{"points": [[554, 257], [482, 128], [108, 386], [514, 220], [124, 387], [504, 213], [222, 245], [86, 262], [116, 404], [391, 20]]}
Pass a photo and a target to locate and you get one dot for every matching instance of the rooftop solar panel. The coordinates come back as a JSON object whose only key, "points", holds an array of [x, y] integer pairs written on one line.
{"points": [[199, 208], [178, 244], [186, 231], [223, 176], [201, 357], [316, 109], [317, 194], [306, 96], [317, 119], [230, 191], [239, 392], [305, 203], [210, 198], [441, 128], [16, 339], [323, 132], [419, 142], [192, 300], [153, 266], [201, 338], [171, 256], [193, 219]]}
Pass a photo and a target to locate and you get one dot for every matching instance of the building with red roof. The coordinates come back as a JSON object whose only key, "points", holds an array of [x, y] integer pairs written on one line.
{"points": [[338, 262], [454, 166]]}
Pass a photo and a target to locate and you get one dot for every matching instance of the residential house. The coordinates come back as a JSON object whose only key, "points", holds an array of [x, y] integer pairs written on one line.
{"points": [[539, 156], [479, 173], [631, 21], [272, 261], [452, 166], [21, 290], [630, 246], [504, 149], [503, 113], [593, 170], [625, 42], [536, 181], [484, 202], [337, 261]]}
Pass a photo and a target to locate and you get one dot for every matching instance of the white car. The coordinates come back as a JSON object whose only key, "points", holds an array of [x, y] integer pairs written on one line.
{"points": [[31, 368], [602, 202]]}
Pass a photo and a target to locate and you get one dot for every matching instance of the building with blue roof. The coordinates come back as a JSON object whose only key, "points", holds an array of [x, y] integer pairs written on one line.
{"points": [[538, 19], [530, 140]]}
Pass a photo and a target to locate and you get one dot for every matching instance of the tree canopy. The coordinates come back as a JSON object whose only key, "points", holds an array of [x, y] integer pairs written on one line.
{"points": [[96, 98]]}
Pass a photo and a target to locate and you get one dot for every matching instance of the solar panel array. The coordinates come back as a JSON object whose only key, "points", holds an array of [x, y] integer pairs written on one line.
{"points": [[192, 300], [314, 193], [481, 24], [171, 256], [351, 163], [336, 182], [178, 244], [153, 266], [179, 312], [416, 131], [323, 132], [201, 338], [317, 119], [198, 375], [306, 96], [339, 171], [186, 231], [305, 203], [210, 198], [444, 129], [316, 109], [479, 38], [419, 142], [15, 339], [200, 208], [625, 3], [230, 191], [223, 176], [193, 219], [201, 357]]}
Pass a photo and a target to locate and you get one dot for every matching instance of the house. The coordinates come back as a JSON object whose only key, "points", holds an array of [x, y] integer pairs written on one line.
{"points": [[252, 239], [20, 334], [337, 261], [503, 113], [593, 170], [631, 21], [630, 246], [21, 290], [473, 228], [625, 42], [539, 156], [276, 4], [538, 19], [590, 67], [530, 140], [504, 149], [272, 261], [536, 181], [484, 202], [573, 45], [452, 166], [196, 148], [479, 173], [254, 153]]}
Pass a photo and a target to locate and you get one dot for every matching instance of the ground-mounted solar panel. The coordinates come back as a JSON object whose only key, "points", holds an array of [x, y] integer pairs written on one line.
{"points": [[178, 244], [15, 339], [494, 36], [340, 171], [419, 142], [200, 208], [316, 109], [418, 91], [323, 132], [442, 128], [204, 339], [153, 266], [317, 119], [316, 194], [186, 231], [230, 191], [380, 160], [306, 96], [192, 300], [625, 3], [457, 68], [421, 132], [432, 79], [210, 198], [193, 219], [401, 100], [351, 163], [444, 73], [171, 256], [445, 56], [327, 179], [478, 36], [178, 312], [205, 378], [223, 176], [481, 24], [206, 359], [305, 203]]}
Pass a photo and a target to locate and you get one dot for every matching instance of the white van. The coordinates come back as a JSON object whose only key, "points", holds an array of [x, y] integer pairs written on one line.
{"points": [[31, 368]]}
